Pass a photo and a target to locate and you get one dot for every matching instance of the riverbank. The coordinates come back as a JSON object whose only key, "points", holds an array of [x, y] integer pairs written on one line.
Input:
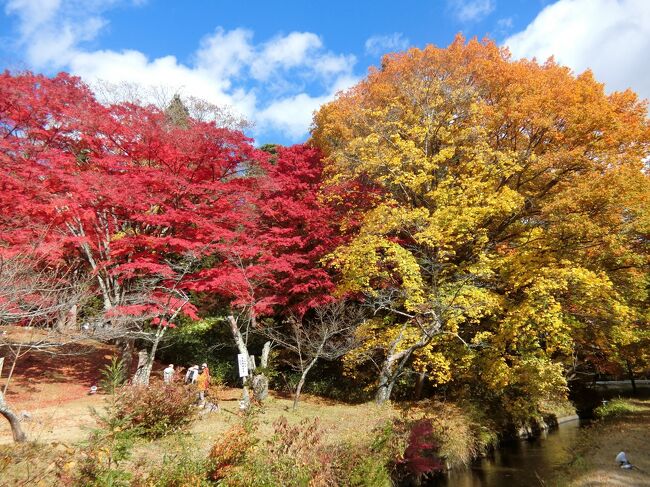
{"points": [[624, 427]]}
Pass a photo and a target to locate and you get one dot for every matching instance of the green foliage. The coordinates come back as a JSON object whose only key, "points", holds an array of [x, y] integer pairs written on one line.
{"points": [[614, 408], [113, 375], [370, 471], [156, 410], [222, 372]]}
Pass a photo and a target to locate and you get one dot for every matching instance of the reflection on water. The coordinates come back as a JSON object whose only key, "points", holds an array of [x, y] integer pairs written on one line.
{"points": [[521, 463]]}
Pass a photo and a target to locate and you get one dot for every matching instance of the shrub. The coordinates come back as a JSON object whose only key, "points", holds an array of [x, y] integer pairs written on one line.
{"points": [[113, 376], [181, 468], [368, 471], [296, 454], [421, 456], [231, 449], [293, 457], [99, 462], [156, 410], [614, 408]]}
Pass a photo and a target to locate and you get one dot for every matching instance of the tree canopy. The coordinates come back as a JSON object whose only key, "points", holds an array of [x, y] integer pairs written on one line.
{"points": [[489, 216], [509, 230]]}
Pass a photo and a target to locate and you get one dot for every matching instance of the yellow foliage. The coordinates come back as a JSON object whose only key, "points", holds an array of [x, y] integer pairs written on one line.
{"points": [[509, 207]]}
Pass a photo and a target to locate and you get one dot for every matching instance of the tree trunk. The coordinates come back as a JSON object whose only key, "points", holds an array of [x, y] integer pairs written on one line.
{"points": [[390, 371], [260, 381], [243, 350], [68, 319], [419, 385], [11, 370], [14, 422], [385, 383], [301, 382], [145, 374], [139, 376], [128, 347], [630, 374], [395, 363]]}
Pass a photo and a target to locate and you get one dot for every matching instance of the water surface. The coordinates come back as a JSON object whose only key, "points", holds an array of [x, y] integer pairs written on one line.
{"points": [[521, 463]]}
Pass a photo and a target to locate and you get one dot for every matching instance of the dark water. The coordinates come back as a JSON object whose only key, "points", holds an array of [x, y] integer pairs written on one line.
{"points": [[521, 463], [530, 463]]}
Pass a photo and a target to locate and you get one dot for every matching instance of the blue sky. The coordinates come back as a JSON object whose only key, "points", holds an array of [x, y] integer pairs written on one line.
{"points": [[275, 62]]}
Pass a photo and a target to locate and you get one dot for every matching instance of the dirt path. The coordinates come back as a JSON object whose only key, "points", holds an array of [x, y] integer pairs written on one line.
{"points": [[66, 421]]}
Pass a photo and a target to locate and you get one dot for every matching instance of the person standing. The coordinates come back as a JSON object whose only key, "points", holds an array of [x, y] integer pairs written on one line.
{"points": [[206, 371], [168, 374], [190, 376], [202, 384]]}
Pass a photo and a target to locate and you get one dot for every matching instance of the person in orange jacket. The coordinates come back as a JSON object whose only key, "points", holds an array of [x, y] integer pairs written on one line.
{"points": [[206, 370], [202, 382]]}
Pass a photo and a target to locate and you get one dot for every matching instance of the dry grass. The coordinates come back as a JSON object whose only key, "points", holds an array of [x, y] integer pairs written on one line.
{"points": [[341, 423], [594, 464]]}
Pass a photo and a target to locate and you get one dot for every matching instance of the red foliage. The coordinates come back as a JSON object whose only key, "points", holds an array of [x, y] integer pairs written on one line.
{"points": [[117, 188], [298, 229], [421, 454], [122, 192]]}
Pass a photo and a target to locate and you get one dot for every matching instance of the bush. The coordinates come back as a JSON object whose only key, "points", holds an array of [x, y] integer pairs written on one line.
{"points": [[231, 450], [100, 461], [113, 376], [614, 408], [296, 456], [370, 462], [293, 457], [184, 467], [156, 410]]}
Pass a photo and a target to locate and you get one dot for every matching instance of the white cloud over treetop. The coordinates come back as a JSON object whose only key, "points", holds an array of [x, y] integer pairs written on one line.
{"points": [[381, 44], [271, 83], [278, 82], [610, 37]]}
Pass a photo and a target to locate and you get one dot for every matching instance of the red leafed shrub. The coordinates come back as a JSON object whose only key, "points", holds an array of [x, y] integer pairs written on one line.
{"points": [[231, 450], [421, 454], [156, 410]]}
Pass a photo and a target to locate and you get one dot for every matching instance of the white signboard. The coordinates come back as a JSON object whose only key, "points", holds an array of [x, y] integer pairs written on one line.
{"points": [[242, 361]]}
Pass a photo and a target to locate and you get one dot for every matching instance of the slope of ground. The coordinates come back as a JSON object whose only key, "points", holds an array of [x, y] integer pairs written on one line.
{"points": [[594, 465]]}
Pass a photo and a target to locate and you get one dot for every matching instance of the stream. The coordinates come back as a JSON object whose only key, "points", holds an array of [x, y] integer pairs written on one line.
{"points": [[529, 463], [520, 463]]}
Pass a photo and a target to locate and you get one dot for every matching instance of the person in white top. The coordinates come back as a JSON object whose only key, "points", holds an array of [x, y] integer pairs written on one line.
{"points": [[168, 374], [192, 374]]}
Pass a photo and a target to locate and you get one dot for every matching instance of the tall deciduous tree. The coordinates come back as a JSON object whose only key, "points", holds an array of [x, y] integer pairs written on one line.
{"points": [[508, 212], [119, 190]]}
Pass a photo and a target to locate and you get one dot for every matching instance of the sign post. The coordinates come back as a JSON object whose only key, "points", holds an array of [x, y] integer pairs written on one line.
{"points": [[242, 361]]}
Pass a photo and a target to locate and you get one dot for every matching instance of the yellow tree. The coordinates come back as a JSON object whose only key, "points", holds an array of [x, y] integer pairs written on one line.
{"points": [[503, 211]]}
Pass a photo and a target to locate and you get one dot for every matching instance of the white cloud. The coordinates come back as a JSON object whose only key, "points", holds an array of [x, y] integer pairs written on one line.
{"points": [[49, 30], [292, 114], [277, 83], [284, 52], [224, 54], [471, 10], [379, 45], [611, 37]]}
